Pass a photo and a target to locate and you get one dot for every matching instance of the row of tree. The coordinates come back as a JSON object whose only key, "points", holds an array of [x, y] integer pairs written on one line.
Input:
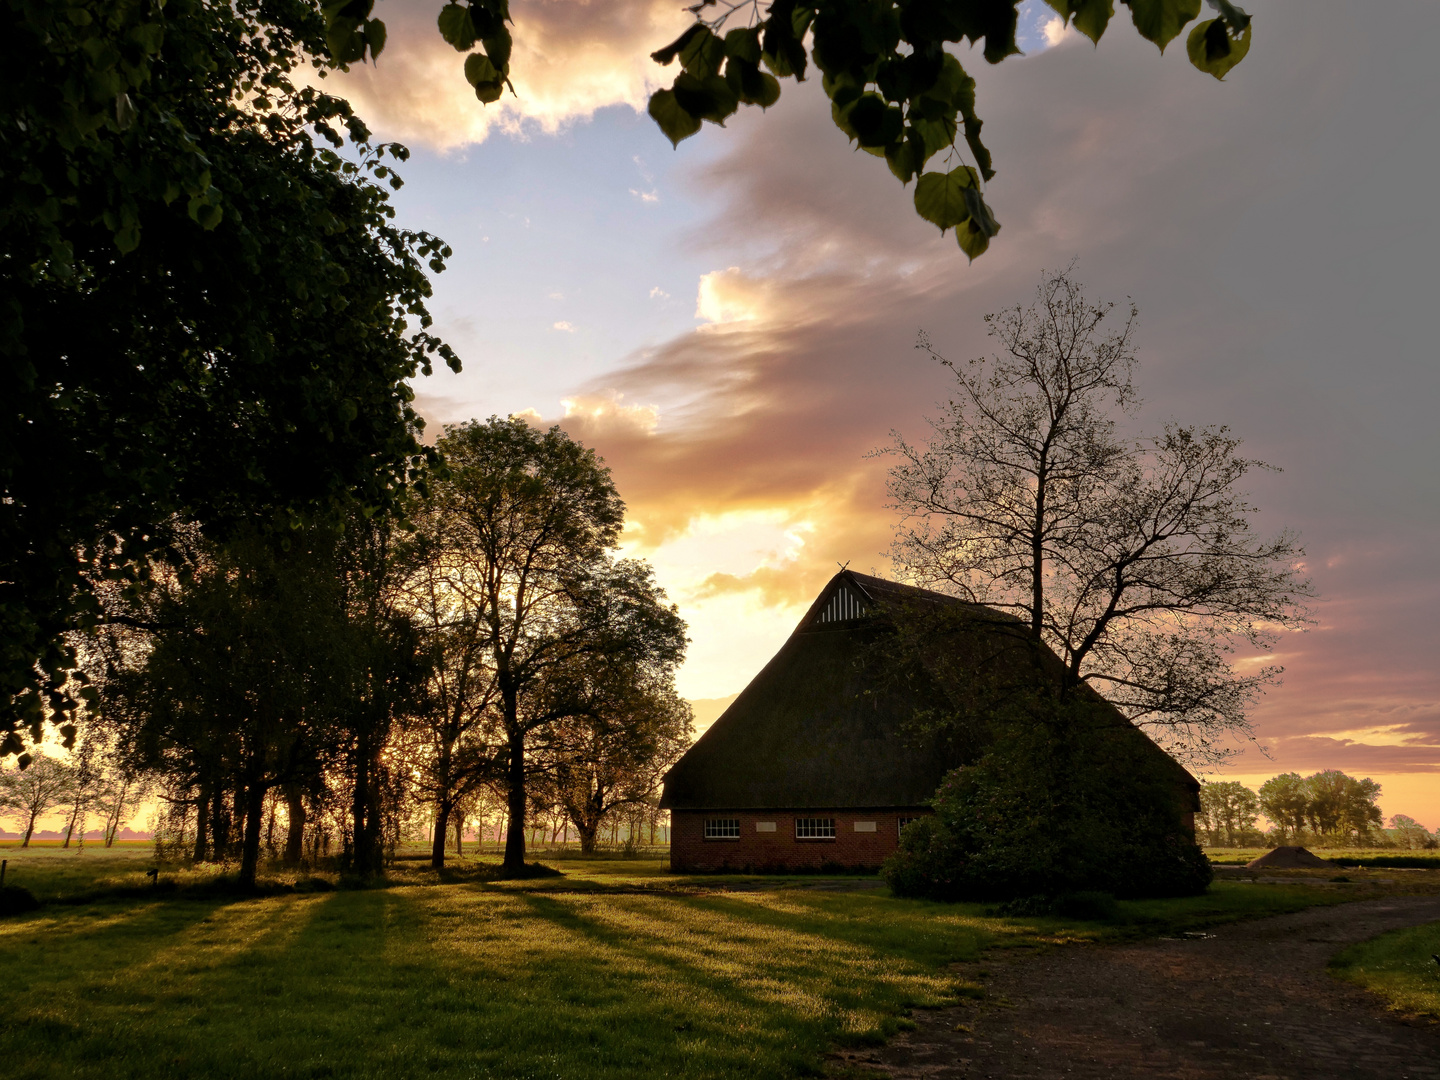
{"points": [[1325, 809], [330, 688], [93, 785]]}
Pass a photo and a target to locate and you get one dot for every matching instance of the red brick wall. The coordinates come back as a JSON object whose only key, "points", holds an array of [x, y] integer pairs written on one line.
{"points": [[759, 851]]}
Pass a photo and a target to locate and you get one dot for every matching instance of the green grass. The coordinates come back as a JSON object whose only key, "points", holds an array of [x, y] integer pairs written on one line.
{"points": [[617, 969], [1376, 857], [1399, 967]]}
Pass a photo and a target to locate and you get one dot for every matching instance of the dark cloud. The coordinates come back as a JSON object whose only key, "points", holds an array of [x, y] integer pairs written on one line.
{"points": [[1276, 233]]}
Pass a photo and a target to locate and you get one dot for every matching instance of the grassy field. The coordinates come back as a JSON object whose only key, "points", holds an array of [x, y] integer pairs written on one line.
{"points": [[1240, 856], [615, 969], [1400, 967]]}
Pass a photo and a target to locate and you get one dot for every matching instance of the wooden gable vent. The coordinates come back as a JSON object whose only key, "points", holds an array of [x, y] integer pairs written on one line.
{"points": [[843, 606]]}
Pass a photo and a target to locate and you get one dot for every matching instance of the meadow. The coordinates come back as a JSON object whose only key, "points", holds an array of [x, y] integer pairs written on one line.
{"points": [[1400, 967], [615, 968]]}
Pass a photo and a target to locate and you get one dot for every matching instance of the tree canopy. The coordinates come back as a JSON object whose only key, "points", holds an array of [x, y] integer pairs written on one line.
{"points": [[208, 313]]}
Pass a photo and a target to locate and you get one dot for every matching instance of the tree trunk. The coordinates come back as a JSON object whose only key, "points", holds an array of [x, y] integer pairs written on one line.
{"points": [[29, 829], [515, 804], [74, 818], [437, 842], [587, 837], [295, 830], [460, 833], [202, 825], [253, 807], [219, 826]]}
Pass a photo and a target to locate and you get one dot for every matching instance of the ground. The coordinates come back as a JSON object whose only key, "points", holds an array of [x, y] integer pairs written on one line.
{"points": [[1252, 999], [615, 969]]}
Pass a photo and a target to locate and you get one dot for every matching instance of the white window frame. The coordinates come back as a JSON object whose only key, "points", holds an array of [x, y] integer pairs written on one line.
{"points": [[814, 828], [722, 828]]}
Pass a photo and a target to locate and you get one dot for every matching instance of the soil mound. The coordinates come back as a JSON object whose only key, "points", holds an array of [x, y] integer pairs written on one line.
{"points": [[1287, 858]]}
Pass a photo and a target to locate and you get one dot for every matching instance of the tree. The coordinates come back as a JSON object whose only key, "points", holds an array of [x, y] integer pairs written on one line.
{"points": [[1340, 807], [31, 791], [628, 728], [245, 682], [207, 313], [528, 520], [1228, 808], [893, 88], [1409, 833], [1076, 805], [1284, 799], [1133, 560]]}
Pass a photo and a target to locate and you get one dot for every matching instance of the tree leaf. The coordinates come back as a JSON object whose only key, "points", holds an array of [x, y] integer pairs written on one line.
{"points": [[1161, 20], [703, 54], [674, 121], [1091, 17], [375, 37], [456, 27], [744, 44], [1213, 50], [479, 70], [668, 54], [940, 197]]}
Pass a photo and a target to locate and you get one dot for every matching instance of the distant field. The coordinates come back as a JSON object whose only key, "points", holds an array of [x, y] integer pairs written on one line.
{"points": [[1379, 857], [1399, 966], [615, 970]]}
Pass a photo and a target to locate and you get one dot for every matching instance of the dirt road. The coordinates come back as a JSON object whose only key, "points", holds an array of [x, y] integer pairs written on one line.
{"points": [[1252, 1000]]}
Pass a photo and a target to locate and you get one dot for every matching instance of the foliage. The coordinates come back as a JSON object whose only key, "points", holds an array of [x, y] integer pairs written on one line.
{"points": [[1133, 560], [207, 312], [895, 90], [29, 792], [614, 752], [1335, 808], [1399, 966], [523, 523], [1228, 810], [1060, 806], [1409, 833]]}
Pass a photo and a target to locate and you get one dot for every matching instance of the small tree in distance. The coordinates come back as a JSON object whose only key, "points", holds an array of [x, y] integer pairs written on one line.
{"points": [[1228, 809], [30, 792]]}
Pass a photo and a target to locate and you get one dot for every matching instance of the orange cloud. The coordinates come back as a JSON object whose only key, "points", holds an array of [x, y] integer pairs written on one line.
{"points": [[571, 58]]}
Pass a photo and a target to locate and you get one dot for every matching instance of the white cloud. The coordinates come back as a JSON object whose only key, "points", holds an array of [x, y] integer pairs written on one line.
{"points": [[565, 326], [658, 293], [571, 57], [646, 196]]}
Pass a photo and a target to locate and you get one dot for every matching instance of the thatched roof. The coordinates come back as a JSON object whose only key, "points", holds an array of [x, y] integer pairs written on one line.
{"points": [[825, 723]]}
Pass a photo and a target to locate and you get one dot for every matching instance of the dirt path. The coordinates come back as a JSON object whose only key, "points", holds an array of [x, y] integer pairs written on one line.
{"points": [[1251, 1001]]}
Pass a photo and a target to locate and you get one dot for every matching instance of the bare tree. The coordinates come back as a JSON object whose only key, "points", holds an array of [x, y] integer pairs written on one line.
{"points": [[1133, 559], [31, 791]]}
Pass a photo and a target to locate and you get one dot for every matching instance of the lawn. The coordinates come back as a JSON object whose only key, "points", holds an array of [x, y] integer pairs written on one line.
{"points": [[617, 969], [1399, 966]]}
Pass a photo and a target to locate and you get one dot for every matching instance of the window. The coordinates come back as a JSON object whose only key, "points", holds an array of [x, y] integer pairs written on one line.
{"points": [[906, 821], [814, 828], [722, 828]]}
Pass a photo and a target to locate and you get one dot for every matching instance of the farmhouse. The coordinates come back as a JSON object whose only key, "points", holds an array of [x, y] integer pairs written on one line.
{"points": [[816, 763]]}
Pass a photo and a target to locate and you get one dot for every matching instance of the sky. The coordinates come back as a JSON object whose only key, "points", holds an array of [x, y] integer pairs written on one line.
{"points": [[731, 324]]}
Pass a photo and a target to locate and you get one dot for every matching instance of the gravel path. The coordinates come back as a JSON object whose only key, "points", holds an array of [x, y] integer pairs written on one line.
{"points": [[1250, 1000]]}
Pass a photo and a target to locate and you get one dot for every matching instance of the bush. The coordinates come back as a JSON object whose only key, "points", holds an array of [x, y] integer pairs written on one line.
{"points": [[1073, 806], [16, 900]]}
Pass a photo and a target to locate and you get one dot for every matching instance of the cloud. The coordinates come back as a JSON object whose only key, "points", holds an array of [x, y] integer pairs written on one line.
{"points": [[657, 293], [564, 326], [646, 196], [1197, 199], [571, 58]]}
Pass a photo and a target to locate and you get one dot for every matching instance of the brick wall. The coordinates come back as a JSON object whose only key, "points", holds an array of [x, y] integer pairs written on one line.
{"points": [[779, 850]]}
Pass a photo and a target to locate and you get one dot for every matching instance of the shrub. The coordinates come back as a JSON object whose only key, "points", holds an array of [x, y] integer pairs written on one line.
{"points": [[1073, 805], [16, 900]]}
